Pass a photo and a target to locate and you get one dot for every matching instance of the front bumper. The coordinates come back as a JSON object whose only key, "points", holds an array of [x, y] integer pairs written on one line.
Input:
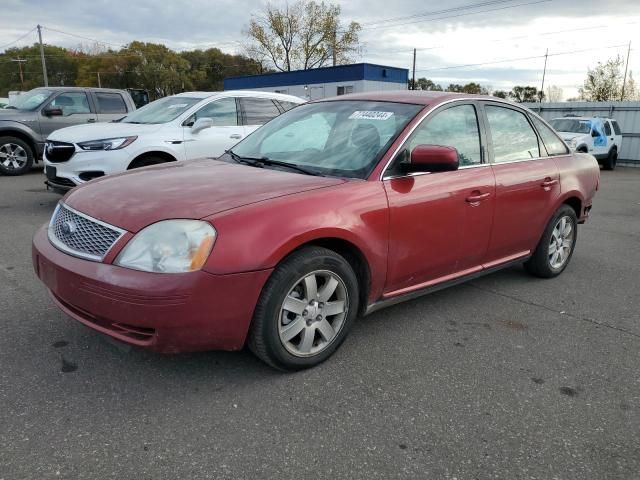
{"points": [[167, 313], [86, 165]]}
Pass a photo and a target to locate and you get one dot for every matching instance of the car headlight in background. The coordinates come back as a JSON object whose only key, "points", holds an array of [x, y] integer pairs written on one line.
{"points": [[573, 143], [107, 143], [169, 246]]}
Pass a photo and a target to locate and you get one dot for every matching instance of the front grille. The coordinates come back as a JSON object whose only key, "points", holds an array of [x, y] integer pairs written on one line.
{"points": [[57, 152], [81, 235]]}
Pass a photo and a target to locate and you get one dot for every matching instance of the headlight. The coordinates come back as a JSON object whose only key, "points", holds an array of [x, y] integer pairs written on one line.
{"points": [[170, 246], [107, 143]]}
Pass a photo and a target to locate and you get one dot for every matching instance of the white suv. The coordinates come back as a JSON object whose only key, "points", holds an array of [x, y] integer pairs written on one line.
{"points": [[181, 127], [601, 137]]}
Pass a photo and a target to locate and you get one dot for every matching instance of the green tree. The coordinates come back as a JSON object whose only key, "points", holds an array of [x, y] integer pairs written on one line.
{"points": [[473, 88], [522, 94], [425, 84], [500, 94], [604, 82], [304, 35]]}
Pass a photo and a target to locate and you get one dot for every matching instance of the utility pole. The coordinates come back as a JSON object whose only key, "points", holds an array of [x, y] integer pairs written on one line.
{"points": [[99, 83], [44, 65], [333, 47], [413, 75], [626, 67], [544, 72], [20, 62]]}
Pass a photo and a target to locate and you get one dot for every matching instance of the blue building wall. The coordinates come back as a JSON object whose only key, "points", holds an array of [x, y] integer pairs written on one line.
{"points": [[340, 73]]}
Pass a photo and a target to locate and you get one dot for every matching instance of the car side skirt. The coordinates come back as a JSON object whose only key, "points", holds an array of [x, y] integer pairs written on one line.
{"points": [[388, 302]]}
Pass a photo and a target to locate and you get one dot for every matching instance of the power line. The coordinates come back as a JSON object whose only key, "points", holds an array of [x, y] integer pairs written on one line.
{"points": [[470, 65], [85, 38], [18, 39]]}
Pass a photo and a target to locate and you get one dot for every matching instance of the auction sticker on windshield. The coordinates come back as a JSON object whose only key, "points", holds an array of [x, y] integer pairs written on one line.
{"points": [[370, 115]]}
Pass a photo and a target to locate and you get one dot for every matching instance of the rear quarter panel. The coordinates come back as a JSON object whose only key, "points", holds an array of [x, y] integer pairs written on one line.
{"points": [[260, 235], [580, 178]]}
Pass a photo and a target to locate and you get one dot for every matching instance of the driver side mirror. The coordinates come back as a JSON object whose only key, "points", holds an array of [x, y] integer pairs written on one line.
{"points": [[432, 158], [52, 112], [201, 124]]}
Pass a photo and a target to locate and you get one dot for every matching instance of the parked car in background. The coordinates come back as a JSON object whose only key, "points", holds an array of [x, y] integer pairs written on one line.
{"points": [[601, 137], [181, 127], [32, 116], [333, 209], [140, 96]]}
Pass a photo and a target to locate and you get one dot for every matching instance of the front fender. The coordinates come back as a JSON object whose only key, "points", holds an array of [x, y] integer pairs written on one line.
{"points": [[259, 236], [8, 126]]}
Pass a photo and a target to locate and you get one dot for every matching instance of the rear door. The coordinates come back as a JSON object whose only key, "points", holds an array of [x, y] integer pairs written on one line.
{"points": [[616, 136], [76, 110], [527, 182], [109, 105], [257, 111], [440, 223], [224, 134]]}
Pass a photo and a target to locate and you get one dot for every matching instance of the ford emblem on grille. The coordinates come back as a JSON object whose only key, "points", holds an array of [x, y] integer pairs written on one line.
{"points": [[68, 227]]}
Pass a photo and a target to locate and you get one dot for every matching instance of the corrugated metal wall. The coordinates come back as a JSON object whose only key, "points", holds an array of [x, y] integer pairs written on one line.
{"points": [[626, 113]]}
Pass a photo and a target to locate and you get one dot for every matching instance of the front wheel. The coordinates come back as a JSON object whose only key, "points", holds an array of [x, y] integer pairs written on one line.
{"points": [[556, 246], [305, 309], [16, 156]]}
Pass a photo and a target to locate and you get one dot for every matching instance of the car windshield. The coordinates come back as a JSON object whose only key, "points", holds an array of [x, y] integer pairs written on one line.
{"points": [[161, 111], [572, 125], [30, 100], [343, 138]]}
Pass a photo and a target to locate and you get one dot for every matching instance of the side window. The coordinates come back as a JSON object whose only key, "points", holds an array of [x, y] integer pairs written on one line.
{"points": [[344, 89], [512, 135], [71, 102], [607, 128], [308, 133], [454, 127], [223, 112], [286, 106], [552, 143], [258, 111], [110, 103], [616, 127]]}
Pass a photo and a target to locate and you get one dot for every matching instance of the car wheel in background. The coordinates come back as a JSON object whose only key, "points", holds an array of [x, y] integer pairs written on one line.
{"points": [[146, 162], [611, 161], [305, 309], [556, 246], [16, 156]]}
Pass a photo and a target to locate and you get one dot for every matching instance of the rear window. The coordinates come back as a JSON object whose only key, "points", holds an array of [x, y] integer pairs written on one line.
{"points": [[616, 128], [258, 110], [110, 103], [607, 128], [286, 105]]}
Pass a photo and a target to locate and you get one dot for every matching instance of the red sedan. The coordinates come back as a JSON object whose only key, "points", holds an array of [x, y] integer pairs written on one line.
{"points": [[334, 209]]}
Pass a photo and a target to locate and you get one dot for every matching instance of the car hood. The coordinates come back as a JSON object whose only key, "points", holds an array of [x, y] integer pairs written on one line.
{"points": [[192, 189], [14, 115], [568, 136], [99, 131]]}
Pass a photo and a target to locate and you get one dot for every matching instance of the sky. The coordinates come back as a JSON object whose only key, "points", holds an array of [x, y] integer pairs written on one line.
{"points": [[508, 37]]}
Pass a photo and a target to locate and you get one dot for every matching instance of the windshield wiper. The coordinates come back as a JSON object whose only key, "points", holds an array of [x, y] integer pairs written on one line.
{"points": [[262, 161]]}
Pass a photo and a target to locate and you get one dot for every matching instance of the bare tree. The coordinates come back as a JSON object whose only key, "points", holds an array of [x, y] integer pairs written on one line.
{"points": [[304, 35], [554, 93]]}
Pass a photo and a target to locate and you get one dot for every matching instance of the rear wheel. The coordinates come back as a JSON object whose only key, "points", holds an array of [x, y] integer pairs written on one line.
{"points": [[556, 246], [16, 156], [611, 161], [305, 309]]}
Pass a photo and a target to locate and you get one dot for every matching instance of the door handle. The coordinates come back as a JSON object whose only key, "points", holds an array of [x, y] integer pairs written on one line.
{"points": [[91, 120], [548, 183], [477, 198], [235, 136]]}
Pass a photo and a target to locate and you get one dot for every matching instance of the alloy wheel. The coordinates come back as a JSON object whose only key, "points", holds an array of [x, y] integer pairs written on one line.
{"points": [[561, 242], [313, 313], [13, 156]]}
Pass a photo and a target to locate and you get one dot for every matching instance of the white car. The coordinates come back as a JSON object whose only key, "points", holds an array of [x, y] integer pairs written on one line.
{"points": [[180, 127], [601, 137]]}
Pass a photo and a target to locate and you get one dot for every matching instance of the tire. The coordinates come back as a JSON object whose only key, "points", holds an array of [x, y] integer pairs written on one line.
{"points": [[546, 262], [146, 162], [304, 334], [610, 162], [16, 156]]}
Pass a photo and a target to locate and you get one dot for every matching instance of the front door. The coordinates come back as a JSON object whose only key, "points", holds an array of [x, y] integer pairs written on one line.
{"points": [[75, 108], [527, 183], [224, 134], [440, 223]]}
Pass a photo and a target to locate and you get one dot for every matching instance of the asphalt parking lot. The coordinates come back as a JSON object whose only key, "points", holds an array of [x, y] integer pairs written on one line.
{"points": [[506, 377]]}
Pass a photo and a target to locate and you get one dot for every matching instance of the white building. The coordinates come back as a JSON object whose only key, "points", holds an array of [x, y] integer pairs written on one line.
{"points": [[325, 82]]}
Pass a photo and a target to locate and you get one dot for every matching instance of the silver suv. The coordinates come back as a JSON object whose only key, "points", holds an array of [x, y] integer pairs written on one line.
{"points": [[31, 117]]}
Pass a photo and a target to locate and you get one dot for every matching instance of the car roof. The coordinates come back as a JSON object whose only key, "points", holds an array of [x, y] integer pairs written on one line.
{"points": [[79, 89], [572, 117], [242, 93], [416, 97]]}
